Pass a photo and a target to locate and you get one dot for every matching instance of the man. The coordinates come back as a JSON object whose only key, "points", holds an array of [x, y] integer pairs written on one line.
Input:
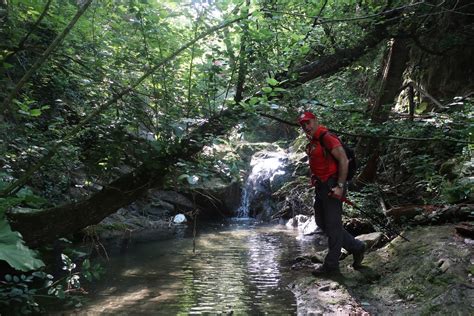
{"points": [[329, 166]]}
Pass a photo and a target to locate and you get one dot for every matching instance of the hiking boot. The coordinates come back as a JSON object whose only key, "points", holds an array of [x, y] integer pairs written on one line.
{"points": [[358, 257], [322, 271]]}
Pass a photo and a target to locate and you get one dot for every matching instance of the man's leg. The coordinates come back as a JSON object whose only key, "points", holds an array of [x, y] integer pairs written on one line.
{"points": [[350, 243], [354, 246], [333, 223], [318, 213]]}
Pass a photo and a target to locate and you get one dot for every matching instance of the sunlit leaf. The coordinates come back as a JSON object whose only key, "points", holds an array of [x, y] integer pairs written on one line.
{"points": [[35, 112]]}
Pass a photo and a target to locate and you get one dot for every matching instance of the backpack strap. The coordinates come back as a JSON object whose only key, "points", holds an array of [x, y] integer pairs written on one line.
{"points": [[326, 150], [321, 139]]}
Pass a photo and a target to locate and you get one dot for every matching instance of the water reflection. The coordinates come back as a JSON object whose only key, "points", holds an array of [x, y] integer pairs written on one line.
{"points": [[237, 269]]}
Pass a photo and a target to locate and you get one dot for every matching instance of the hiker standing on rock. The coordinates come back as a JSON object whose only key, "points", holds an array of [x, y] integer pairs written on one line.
{"points": [[329, 167]]}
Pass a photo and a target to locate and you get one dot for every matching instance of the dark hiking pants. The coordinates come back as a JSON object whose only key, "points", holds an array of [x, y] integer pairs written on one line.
{"points": [[328, 216]]}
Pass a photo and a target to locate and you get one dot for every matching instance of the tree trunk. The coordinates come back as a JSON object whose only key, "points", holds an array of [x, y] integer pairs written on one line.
{"points": [[331, 64], [46, 225], [392, 79], [411, 102]]}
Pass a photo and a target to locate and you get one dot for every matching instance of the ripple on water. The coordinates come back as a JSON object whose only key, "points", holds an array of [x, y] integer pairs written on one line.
{"points": [[241, 269]]}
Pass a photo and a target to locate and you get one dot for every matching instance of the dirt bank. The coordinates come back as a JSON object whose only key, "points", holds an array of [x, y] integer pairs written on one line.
{"points": [[431, 274]]}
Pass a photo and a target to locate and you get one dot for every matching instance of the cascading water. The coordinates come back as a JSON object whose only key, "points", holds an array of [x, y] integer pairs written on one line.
{"points": [[266, 167]]}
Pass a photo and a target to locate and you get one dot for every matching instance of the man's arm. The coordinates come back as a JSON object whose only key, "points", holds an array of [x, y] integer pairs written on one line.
{"points": [[342, 167]]}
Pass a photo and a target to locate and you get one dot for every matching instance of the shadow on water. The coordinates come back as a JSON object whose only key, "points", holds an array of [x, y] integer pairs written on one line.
{"points": [[239, 267]]}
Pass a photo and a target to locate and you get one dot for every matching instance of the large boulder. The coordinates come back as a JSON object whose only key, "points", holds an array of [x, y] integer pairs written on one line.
{"points": [[216, 198], [167, 199]]}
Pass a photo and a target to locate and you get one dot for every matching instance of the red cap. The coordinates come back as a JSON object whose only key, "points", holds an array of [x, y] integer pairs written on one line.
{"points": [[306, 116]]}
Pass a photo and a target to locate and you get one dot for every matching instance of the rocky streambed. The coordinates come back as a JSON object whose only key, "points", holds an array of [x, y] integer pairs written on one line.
{"points": [[430, 275], [433, 273]]}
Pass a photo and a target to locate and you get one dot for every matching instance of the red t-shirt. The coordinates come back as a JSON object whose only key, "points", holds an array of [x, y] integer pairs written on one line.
{"points": [[322, 165]]}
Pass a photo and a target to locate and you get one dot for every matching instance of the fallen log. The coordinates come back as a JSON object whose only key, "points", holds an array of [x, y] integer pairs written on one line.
{"points": [[431, 214]]}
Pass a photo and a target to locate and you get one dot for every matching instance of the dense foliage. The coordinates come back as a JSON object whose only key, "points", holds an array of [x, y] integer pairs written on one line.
{"points": [[129, 81]]}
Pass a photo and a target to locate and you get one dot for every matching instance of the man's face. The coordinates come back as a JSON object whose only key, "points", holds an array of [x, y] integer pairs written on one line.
{"points": [[309, 127]]}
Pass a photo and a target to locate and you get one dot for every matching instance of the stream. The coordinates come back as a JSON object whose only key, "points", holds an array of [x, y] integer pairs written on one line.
{"points": [[238, 268]]}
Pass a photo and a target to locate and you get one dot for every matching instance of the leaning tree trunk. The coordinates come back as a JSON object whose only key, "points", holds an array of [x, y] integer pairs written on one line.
{"points": [[46, 225], [392, 78]]}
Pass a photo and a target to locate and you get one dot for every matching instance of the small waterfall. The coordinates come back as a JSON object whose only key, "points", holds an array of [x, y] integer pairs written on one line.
{"points": [[266, 166]]}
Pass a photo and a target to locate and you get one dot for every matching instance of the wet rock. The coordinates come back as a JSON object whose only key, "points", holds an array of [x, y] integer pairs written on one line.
{"points": [[469, 241], [175, 198], [300, 164], [319, 256], [334, 286], [444, 264], [324, 288], [307, 261], [297, 221], [247, 150], [465, 229], [371, 240], [179, 219], [163, 205], [357, 227], [307, 224], [310, 227], [216, 196]]}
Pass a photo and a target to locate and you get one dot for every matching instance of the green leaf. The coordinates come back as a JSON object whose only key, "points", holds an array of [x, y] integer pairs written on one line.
{"points": [[267, 89], [60, 293], [421, 107], [35, 112], [86, 264], [14, 252], [272, 81], [7, 66], [254, 100], [304, 49], [183, 176]]}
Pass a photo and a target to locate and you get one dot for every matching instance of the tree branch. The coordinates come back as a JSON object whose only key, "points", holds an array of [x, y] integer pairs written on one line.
{"points": [[38, 21], [373, 136], [6, 106], [16, 185]]}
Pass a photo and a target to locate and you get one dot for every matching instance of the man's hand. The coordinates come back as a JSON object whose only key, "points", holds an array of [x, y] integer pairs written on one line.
{"points": [[336, 192]]}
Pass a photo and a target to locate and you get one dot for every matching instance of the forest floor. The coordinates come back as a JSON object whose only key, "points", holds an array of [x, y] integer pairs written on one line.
{"points": [[431, 274]]}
